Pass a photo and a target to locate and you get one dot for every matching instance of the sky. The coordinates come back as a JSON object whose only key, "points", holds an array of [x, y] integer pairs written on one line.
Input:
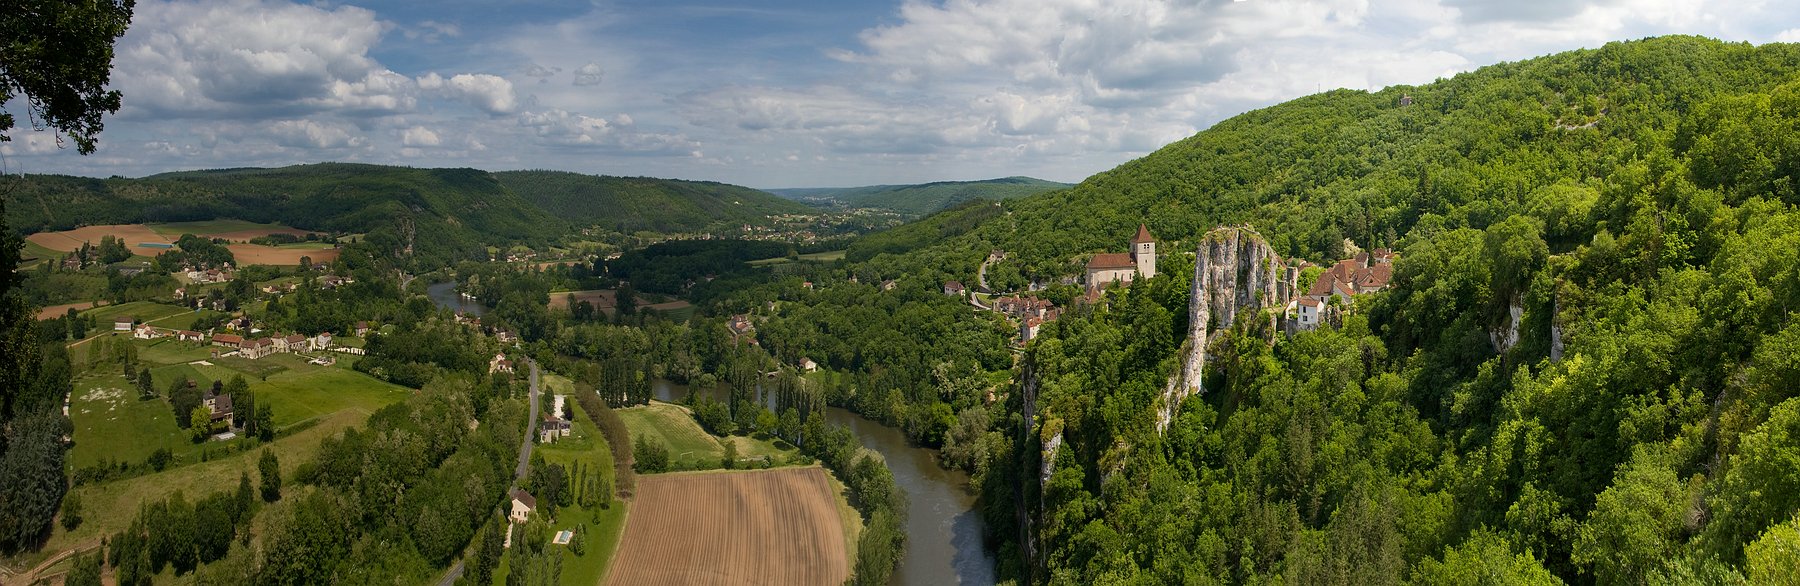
{"points": [[787, 93]]}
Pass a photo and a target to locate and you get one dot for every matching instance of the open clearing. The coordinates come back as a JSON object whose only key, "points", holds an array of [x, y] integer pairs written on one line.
{"points": [[674, 427], [752, 527], [70, 240]]}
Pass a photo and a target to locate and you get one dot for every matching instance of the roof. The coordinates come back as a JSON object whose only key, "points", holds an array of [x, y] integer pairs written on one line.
{"points": [[1111, 260], [190, 333], [524, 497], [294, 338], [1143, 235], [259, 342], [954, 285], [228, 338], [1309, 302], [221, 403], [1374, 277], [124, 319]]}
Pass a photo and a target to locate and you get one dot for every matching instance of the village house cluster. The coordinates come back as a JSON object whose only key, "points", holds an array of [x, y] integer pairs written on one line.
{"points": [[241, 345], [1366, 272]]}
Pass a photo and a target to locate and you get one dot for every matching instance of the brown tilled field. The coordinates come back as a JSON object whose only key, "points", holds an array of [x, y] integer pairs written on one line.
{"points": [[70, 240], [751, 527], [254, 254]]}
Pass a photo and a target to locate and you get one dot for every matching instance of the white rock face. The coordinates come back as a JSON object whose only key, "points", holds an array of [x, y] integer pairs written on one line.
{"points": [[1234, 270]]}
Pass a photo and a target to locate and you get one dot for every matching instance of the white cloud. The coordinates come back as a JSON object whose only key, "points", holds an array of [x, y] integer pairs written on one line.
{"points": [[562, 128], [1788, 36], [313, 135], [419, 136], [252, 58], [489, 93]]}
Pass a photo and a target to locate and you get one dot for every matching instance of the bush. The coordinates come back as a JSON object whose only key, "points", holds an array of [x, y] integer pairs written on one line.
{"points": [[650, 456], [71, 512]]}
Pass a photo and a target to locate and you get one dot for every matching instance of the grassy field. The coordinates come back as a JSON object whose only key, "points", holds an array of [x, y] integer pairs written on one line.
{"points": [[109, 507], [586, 445], [185, 320], [142, 310], [675, 428], [220, 228]]}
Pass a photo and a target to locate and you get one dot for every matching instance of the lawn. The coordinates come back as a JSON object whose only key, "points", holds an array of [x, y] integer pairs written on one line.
{"points": [[111, 423], [675, 428], [314, 391], [585, 444], [690, 447], [170, 351]]}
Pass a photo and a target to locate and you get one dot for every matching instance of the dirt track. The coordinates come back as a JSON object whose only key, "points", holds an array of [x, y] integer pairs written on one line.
{"points": [[751, 527]]}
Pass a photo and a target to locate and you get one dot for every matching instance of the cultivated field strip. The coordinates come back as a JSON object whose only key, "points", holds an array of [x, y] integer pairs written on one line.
{"points": [[752, 527]]}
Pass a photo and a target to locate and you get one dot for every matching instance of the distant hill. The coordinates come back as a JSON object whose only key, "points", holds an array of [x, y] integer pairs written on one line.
{"points": [[629, 204], [440, 215], [924, 198]]}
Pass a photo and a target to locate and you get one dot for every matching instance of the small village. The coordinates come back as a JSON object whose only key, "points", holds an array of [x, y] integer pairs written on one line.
{"points": [[1326, 298]]}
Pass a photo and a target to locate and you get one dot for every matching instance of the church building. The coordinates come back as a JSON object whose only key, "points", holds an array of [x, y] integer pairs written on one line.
{"points": [[1122, 267]]}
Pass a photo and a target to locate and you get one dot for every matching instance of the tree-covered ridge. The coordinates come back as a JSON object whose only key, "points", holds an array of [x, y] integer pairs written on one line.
{"points": [[925, 198], [1632, 204], [629, 204]]}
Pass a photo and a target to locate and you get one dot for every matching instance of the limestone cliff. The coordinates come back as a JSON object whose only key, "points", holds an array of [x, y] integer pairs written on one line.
{"points": [[1234, 270]]}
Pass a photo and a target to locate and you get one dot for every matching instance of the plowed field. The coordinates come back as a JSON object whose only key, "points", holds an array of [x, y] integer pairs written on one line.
{"points": [[752, 527]]}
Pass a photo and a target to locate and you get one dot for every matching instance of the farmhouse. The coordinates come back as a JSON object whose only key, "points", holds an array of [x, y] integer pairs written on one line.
{"points": [[219, 405], [322, 341], [362, 328], [147, 332], [954, 288], [505, 336], [1367, 272], [552, 427], [189, 336], [522, 506], [807, 365], [1023, 307], [291, 343], [123, 323], [1122, 267], [500, 364], [232, 341], [257, 348]]}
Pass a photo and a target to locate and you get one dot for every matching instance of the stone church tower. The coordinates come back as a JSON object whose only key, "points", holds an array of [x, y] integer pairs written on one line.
{"points": [[1143, 252]]}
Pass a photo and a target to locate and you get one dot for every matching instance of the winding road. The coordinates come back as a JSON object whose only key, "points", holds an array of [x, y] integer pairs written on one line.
{"points": [[456, 570]]}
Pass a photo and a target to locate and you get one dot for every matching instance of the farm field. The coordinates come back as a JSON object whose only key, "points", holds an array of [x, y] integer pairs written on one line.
{"points": [[56, 311], [827, 256], [71, 240], [256, 254], [233, 230], [237, 231], [603, 299], [751, 527], [142, 310]]}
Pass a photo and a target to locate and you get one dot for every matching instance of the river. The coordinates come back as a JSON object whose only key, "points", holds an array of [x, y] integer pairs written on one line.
{"points": [[943, 529], [444, 295]]}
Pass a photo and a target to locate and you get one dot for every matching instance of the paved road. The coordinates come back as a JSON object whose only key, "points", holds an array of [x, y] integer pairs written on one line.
{"points": [[456, 570]]}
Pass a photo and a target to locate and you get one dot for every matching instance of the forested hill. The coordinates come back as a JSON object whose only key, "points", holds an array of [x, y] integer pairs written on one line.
{"points": [[629, 204], [442, 214], [924, 198], [1629, 210]]}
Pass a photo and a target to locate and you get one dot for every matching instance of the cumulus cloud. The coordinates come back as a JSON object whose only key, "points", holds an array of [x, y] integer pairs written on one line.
{"points": [[309, 134], [419, 136], [253, 58], [588, 74], [489, 93]]}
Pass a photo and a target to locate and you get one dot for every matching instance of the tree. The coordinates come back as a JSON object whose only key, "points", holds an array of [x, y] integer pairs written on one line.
{"points": [[265, 422], [57, 57], [200, 423], [146, 387], [243, 500], [86, 570], [649, 456], [270, 468], [729, 461], [71, 512]]}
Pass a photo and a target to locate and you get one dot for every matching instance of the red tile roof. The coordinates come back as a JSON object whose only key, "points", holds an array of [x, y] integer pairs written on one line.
{"points": [[1111, 260], [1143, 235]]}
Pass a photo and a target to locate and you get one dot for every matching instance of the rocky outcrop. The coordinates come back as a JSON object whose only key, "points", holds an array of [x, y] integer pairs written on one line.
{"points": [[1234, 270]]}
